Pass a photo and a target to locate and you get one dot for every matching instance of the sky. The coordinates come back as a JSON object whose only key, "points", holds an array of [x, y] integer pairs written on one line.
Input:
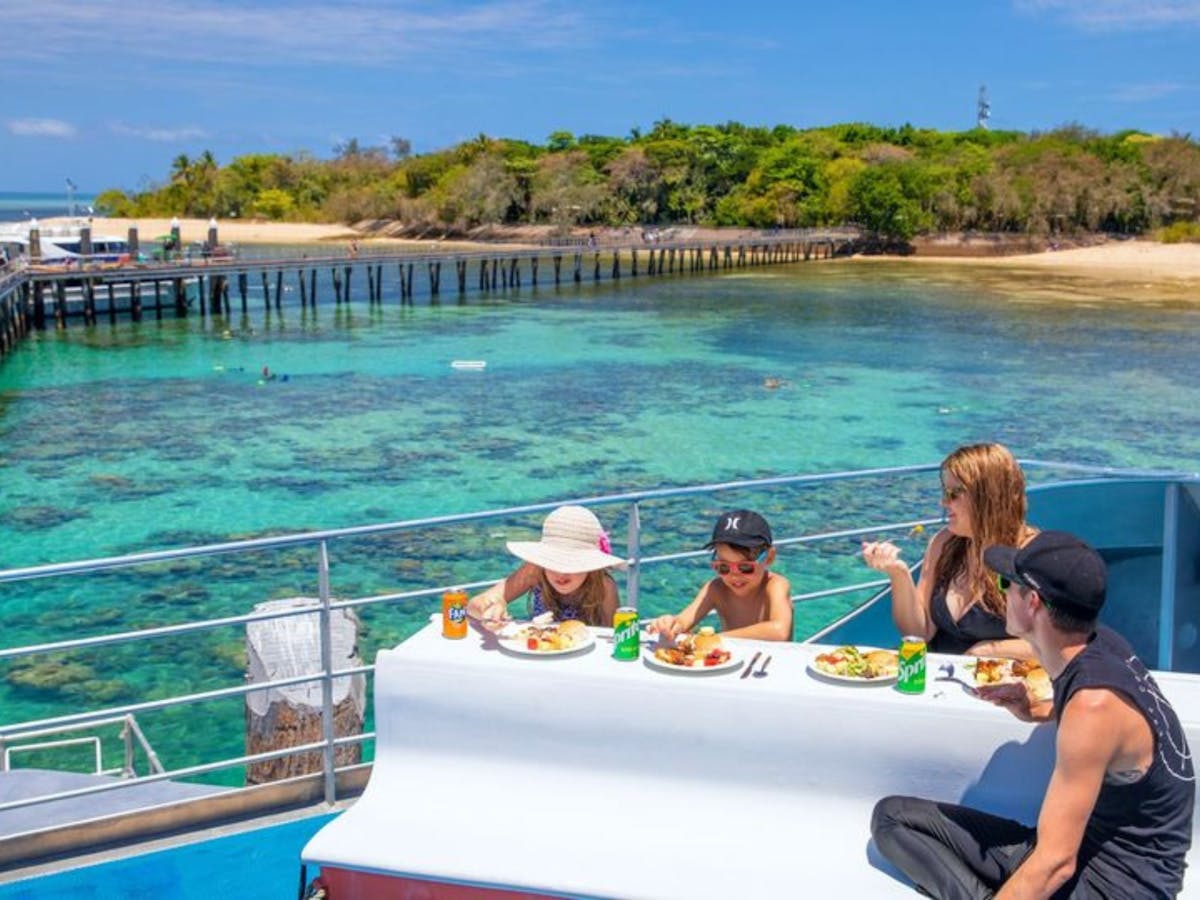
{"points": [[108, 94]]}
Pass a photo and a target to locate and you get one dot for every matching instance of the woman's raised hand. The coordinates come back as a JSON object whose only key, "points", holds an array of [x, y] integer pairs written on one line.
{"points": [[882, 555]]}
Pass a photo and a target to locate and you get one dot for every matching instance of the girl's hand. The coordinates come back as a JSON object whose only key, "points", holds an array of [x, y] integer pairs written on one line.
{"points": [[667, 626], [489, 610], [883, 556]]}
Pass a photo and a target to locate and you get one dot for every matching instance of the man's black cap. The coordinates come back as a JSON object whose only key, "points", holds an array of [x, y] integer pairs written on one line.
{"points": [[1065, 571]]}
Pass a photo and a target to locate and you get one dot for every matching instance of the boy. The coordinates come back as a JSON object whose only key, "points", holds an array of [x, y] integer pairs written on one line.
{"points": [[751, 601]]}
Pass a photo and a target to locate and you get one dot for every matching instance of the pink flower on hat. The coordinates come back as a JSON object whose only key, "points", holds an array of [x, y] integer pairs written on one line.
{"points": [[603, 542]]}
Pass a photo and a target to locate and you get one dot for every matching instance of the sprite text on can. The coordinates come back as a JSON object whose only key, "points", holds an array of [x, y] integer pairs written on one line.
{"points": [[911, 679], [626, 642]]}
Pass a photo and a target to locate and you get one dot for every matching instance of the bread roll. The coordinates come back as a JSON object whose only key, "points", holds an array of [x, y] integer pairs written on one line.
{"points": [[705, 642], [573, 629]]}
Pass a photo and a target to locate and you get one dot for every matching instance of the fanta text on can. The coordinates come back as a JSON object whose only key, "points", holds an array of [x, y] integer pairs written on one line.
{"points": [[454, 614]]}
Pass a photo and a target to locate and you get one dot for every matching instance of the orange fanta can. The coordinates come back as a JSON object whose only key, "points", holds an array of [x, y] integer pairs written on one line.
{"points": [[454, 614]]}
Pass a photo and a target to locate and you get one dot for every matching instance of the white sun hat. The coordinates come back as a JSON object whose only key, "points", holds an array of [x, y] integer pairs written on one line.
{"points": [[572, 542]]}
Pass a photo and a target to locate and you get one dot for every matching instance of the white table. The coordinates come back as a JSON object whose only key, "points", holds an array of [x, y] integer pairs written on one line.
{"points": [[587, 776]]}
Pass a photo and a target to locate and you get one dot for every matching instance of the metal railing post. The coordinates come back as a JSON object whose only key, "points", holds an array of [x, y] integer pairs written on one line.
{"points": [[635, 552], [326, 672], [127, 736]]}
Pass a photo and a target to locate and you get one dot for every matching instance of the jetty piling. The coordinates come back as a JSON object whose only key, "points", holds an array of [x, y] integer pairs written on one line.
{"points": [[25, 291]]}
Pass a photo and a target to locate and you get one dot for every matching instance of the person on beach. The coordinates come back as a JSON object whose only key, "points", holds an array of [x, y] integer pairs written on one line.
{"points": [[565, 574], [1116, 819], [750, 600], [956, 606]]}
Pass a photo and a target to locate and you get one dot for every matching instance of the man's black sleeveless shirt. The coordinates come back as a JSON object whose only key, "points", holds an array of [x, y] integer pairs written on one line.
{"points": [[1138, 835]]}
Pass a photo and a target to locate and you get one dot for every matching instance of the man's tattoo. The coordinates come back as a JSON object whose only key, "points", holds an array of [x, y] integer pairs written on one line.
{"points": [[1126, 776]]}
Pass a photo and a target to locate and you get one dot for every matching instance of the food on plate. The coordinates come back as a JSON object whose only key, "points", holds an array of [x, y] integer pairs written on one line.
{"points": [[850, 662], [1008, 671], [695, 651], [551, 636]]}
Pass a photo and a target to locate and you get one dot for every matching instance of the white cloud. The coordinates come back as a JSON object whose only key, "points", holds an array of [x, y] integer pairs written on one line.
{"points": [[1117, 15], [1141, 93], [55, 128], [162, 135], [257, 32]]}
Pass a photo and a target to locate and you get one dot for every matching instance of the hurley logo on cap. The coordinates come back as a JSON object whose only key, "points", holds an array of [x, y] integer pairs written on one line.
{"points": [[741, 528]]}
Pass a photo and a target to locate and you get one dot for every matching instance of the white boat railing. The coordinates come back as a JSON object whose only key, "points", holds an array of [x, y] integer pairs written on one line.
{"points": [[321, 540]]}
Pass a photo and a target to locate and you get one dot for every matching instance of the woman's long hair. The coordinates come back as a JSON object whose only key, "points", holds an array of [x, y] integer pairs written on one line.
{"points": [[589, 598], [996, 487]]}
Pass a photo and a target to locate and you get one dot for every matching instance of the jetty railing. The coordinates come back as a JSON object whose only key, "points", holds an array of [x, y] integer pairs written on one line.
{"points": [[334, 782], [34, 297]]}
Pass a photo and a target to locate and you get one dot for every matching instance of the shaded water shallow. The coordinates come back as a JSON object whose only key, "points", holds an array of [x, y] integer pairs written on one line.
{"points": [[164, 434]]}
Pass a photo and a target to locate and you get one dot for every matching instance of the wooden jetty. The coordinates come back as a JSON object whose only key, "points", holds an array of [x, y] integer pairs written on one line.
{"points": [[40, 297]]}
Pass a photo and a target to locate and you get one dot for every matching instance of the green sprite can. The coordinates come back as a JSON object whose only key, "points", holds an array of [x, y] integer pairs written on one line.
{"points": [[626, 641], [911, 679]]}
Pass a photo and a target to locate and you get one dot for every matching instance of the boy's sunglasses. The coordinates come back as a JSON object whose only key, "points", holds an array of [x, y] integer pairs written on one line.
{"points": [[742, 567]]}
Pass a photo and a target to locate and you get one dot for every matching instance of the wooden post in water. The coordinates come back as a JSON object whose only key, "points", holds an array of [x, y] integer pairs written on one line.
{"points": [[201, 296], [266, 291], [578, 267], [533, 267], [39, 306], [303, 289], [435, 278], [89, 301], [279, 289], [616, 265], [633, 264], [289, 716], [112, 304], [60, 304], [312, 286], [135, 300], [460, 271], [557, 267], [180, 298]]}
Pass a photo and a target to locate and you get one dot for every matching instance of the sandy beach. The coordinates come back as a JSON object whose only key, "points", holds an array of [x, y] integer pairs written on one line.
{"points": [[1139, 262]]}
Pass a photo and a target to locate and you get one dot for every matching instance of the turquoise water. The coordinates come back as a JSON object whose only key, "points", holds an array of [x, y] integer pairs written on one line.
{"points": [[263, 864], [143, 436]]}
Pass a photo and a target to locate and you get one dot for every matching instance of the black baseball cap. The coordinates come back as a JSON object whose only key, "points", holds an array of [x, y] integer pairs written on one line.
{"points": [[1065, 571], [741, 528]]}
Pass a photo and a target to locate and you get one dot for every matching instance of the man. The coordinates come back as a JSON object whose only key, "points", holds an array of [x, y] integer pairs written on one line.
{"points": [[1116, 821]]}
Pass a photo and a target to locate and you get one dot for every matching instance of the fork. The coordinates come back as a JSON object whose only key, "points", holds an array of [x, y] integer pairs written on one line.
{"points": [[762, 672], [946, 673]]}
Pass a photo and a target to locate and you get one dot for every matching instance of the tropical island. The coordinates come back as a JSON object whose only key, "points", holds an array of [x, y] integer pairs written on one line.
{"points": [[894, 183]]}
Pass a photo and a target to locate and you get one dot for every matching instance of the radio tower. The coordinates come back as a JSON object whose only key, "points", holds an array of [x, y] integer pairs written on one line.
{"points": [[983, 109]]}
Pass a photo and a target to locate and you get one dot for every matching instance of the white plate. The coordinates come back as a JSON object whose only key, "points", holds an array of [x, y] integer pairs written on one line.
{"points": [[520, 648], [648, 657], [850, 679]]}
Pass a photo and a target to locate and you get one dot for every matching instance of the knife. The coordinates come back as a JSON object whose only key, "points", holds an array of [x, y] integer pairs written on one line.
{"points": [[753, 660]]}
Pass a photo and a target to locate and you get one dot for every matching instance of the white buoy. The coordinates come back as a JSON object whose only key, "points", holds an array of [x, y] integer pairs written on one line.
{"points": [[469, 364]]}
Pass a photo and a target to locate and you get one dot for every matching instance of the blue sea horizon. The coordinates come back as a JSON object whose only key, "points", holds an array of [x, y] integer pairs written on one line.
{"points": [[19, 206]]}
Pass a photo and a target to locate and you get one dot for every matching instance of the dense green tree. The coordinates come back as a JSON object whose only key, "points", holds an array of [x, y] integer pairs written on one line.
{"points": [[895, 181]]}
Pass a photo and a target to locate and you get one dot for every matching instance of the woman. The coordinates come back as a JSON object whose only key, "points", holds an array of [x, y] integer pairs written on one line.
{"points": [[957, 606], [565, 573]]}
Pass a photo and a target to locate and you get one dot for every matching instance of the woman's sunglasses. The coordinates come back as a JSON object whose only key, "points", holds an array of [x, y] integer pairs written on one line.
{"points": [[952, 493], [742, 567]]}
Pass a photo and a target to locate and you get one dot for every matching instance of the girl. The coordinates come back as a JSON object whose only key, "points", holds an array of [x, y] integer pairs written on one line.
{"points": [[565, 574], [957, 606]]}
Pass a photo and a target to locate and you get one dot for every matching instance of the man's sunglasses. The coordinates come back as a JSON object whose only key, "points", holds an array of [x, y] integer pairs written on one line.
{"points": [[742, 567]]}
